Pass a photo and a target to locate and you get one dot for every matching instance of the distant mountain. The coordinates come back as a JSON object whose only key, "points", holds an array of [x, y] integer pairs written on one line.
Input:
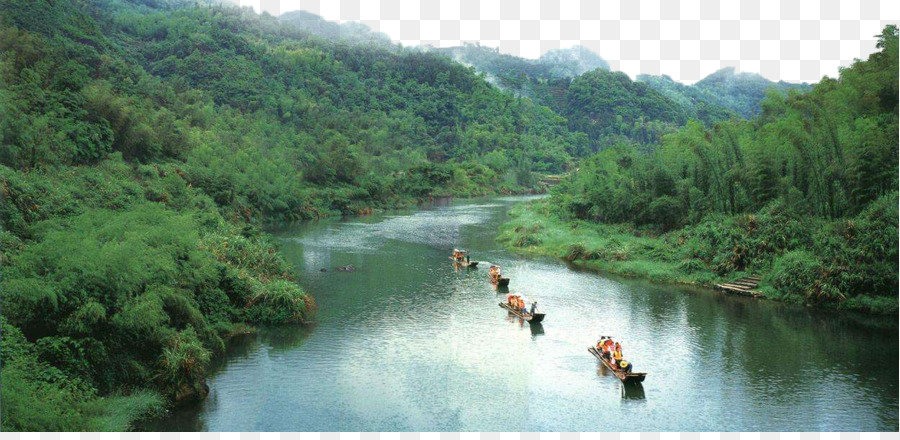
{"points": [[567, 79], [329, 30], [721, 92], [546, 80]]}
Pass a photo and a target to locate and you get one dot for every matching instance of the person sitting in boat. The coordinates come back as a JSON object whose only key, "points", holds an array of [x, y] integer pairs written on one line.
{"points": [[625, 366], [617, 355], [519, 304], [494, 273], [607, 349]]}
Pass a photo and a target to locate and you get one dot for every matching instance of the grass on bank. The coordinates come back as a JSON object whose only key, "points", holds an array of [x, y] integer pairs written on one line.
{"points": [[845, 264]]}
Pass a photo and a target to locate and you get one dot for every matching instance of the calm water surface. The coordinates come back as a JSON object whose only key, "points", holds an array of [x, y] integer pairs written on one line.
{"points": [[406, 343]]}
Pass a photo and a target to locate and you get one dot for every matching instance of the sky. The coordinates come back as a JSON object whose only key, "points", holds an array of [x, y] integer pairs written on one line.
{"points": [[795, 41]]}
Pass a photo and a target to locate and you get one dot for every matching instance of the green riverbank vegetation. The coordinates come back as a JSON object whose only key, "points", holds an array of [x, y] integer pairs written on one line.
{"points": [[805, 195], [142, 145]]}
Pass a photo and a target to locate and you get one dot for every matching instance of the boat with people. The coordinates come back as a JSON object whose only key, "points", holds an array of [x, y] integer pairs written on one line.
{"points": [[461, 257], [496, 276], [516, 305], [610, 354]]}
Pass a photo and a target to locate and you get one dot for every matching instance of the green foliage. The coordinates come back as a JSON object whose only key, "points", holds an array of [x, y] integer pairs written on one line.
{"points": [[65, 403], [831, 263], [113, 279], [119, 413], [602, 103], [827, 153], [721, 95]]}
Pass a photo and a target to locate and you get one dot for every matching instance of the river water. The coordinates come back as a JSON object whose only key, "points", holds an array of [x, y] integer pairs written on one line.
{"points": [[407, 343]]}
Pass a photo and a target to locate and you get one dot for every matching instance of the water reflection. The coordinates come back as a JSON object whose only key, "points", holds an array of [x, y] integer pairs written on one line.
{"points": [[537, 329], [286, 338], [632, 391], [604, 372]]}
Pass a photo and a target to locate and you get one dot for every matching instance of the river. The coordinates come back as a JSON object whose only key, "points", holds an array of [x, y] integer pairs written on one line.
{"points": [[407, 343]]}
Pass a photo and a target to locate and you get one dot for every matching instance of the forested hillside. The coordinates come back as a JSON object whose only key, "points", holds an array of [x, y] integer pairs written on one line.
{"points": [[577, 84], [805, 194], [141, 145], [723, 91]]}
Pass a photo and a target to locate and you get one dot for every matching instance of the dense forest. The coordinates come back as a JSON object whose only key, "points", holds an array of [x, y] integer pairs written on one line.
{"points": [[608, 106], [144, 143], [805, 194]]}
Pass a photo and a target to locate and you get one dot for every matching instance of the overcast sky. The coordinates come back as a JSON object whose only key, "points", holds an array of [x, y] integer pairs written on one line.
{"points": [[687, 40]]}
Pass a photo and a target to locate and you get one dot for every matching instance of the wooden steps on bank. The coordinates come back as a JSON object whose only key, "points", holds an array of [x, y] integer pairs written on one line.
{"points": [[743, 286]]}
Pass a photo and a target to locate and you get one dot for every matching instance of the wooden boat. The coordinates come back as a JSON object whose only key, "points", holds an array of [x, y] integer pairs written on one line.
{"points": [[459, 257], [496, 278], [626, 378], [499, 281], [532, 319], [464, 263]]}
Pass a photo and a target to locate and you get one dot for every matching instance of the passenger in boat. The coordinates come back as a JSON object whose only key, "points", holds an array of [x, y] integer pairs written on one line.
{"points": [[617, 355], [608, 348], [625, 366], [601, 344], [533, 307]]}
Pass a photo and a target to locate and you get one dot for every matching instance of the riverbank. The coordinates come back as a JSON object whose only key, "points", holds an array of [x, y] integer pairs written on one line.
{"points": [[717, 250]]}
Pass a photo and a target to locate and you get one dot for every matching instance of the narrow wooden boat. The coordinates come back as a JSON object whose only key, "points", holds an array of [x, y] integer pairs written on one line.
{"points": [[465, 263], [500, 282], [532, 319], [624, 377]]}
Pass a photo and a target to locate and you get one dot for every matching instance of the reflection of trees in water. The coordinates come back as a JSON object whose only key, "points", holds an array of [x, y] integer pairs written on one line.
{"points": [[286, 338], [238, 347]]}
